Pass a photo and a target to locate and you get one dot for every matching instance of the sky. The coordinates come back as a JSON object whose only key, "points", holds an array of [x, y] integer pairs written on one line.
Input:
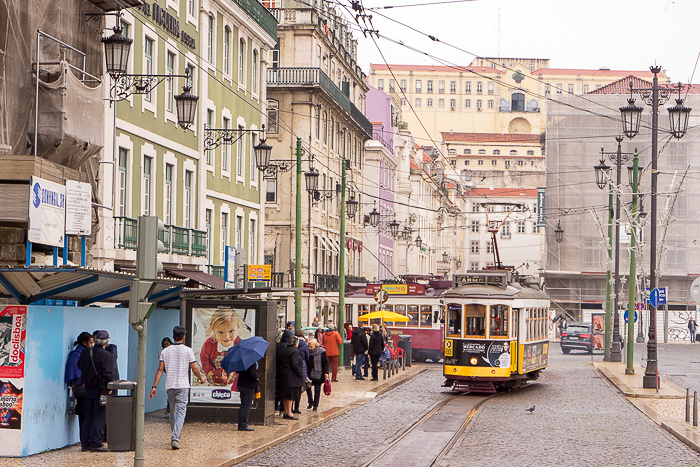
{"points": [[617, 34]]}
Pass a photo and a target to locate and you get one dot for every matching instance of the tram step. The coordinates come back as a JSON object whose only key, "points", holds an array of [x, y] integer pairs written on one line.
{"points": [[482, 387]]}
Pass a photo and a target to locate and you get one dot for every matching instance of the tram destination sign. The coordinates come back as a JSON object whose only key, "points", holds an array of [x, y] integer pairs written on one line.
{"points": [[395, 289], [497, 278]]}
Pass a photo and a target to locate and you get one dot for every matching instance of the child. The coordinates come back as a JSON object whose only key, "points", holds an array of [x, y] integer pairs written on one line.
{"points": [[386, 355], [223, 334]]}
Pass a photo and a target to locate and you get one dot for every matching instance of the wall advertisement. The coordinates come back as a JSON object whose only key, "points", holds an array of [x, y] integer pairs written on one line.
{"points": [[13, 337], [214, 331]]}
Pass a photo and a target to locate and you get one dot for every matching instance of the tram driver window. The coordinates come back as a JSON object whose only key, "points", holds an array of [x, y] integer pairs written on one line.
{"points": [[475, 320], [412, 315], [454, 313], [498, 326]]}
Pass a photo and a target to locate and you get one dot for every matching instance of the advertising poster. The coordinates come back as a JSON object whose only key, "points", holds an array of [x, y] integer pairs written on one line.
{"points": [[535, 356], [13, 337], [10, 405], [214, 332], [598, 330], [47, 212]]}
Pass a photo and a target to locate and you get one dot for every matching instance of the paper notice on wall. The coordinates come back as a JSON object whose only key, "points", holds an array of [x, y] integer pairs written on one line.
{"points": [[78, 208]]}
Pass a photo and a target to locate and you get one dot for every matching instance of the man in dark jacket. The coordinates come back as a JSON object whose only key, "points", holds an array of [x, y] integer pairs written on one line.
{"points": [[247, 386], [96, 366], [376, 347], [358, 341]]}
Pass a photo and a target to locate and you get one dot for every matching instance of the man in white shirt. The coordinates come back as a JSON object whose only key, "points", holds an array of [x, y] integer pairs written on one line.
{"points": [[175, 361]]}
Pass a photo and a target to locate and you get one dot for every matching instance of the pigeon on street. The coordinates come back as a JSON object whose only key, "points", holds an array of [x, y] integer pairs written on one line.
{"points": [[531, 409]]}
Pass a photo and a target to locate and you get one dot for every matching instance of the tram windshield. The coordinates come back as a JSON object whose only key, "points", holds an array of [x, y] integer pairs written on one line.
{"points": [[454, 312], [498, 326], [475, 320]]}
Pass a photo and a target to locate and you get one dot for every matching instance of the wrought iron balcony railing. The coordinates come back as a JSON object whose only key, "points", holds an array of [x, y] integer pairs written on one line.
{"points": [[176, 240]]}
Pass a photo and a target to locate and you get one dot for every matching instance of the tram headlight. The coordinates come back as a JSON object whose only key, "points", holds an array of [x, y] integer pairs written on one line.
{"points": [[474, 361]]}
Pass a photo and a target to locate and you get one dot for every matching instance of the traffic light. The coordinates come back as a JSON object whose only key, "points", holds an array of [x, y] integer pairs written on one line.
{"points": [[139, 307], [148, 246]]}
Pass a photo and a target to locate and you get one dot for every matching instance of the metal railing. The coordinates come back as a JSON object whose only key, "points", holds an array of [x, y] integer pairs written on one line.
{"points": [[260, 15], [216, 271], [176, 240], [326, 283], [278, 280], [125, 233], [316, 77]]}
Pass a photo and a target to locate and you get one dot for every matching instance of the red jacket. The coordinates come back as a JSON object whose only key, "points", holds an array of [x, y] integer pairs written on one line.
{"points": [[331, 342]]}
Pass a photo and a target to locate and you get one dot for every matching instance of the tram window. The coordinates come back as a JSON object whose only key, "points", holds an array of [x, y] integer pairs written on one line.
{"points": [[389, 308], [400, 309], [412, 315], [474, 320], [426, 316], [454, 312], [362, 310], [514, 327], [499, 321]]}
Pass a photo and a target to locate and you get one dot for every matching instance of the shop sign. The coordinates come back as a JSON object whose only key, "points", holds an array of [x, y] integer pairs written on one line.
{"points": [[168, 22]]}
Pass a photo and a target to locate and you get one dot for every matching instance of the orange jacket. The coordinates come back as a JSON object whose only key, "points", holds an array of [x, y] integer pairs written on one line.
{"points": [[331, 341]]}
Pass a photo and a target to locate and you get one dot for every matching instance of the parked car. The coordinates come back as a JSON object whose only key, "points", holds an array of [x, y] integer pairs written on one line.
{"points": [[577, 336]]}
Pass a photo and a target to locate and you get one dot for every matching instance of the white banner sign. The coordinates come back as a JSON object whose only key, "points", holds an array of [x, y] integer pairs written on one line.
{"points": [[47, 212], [78, 205]]}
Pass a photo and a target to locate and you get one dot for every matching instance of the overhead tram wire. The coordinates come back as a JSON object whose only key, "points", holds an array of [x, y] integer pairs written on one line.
{"points": [[416, 4]]}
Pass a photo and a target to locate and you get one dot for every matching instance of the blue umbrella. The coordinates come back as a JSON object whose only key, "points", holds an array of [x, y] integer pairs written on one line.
{"points": [[243, 355]]}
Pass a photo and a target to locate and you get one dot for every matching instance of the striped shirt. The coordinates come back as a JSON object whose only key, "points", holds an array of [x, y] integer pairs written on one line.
{"points": [[177, 359]]}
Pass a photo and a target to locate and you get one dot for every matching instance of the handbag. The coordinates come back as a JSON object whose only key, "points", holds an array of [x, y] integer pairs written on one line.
{"points": [[327, 387], [257, 391], [234, 386]]}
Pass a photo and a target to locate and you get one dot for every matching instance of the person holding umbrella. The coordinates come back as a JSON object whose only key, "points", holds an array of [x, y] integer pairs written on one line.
{"points": [[242, 359]]}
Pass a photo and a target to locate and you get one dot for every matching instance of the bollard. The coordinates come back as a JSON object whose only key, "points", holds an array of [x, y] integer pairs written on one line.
{"points": [[687, 404], [384, 371], [695, 408], [403, 362]]}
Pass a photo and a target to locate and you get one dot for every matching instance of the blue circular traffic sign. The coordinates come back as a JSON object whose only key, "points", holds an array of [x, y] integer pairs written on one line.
{"points": [[635, 316]]}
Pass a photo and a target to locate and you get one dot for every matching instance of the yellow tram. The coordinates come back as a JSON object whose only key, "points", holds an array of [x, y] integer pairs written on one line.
{"points": [[496, 331]]}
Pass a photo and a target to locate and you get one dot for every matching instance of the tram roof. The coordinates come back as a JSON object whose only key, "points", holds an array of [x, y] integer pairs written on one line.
{"points": [[512, 291]]}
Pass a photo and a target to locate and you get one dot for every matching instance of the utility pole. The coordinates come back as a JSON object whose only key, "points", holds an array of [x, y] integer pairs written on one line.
{"points": [[608, 283], [632, 302], [297, 235], [341, 273]]}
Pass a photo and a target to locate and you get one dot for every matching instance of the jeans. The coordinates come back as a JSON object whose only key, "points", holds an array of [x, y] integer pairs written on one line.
{"points": [[333, 362], [359, 363], [177, 398], [692, 336], [247, 396], [95, 420]]}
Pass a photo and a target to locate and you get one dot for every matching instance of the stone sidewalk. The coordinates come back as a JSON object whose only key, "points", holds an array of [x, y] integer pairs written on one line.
{"points": [[666, 407], [221, 444]]}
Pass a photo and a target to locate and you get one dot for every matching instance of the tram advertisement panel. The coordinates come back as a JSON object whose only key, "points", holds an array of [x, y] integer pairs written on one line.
{"points": [[535, 355], [481, 353]]}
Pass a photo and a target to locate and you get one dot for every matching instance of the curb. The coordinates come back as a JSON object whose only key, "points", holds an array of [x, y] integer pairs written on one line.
{"points": [[249, 450]]}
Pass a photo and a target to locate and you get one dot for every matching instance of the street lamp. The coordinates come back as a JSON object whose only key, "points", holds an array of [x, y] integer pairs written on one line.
{"points": [[117, 51], [351, 207], [419, 241], [406, 233], [445, 257], [559, 233], [311, 178], [654, 96], [458, 263], [394, 228], [374, 217]]}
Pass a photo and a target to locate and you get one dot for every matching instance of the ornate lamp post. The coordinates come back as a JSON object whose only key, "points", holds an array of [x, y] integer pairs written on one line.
{"points": [[559, 233]]}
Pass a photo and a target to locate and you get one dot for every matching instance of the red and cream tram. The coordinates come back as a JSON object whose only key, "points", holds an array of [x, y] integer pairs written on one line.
{"points": [[419, 299], [496, 331]]}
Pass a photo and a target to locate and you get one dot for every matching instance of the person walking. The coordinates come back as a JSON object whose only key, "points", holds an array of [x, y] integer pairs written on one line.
{"points": [[318, 334], [332, 342], [304, 353], [281, 345], [692, 326], [175, 361], [318, 372], [248, 382], [291, 372], [96, 365], [376, 347], [358, 342], [75, 383]]}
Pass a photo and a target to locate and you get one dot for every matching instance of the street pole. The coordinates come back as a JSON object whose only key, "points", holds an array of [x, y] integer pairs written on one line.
{"points": [[608, 283], [140, 401], [632, 302], [341, 273], [616, 352], [297, 235]]}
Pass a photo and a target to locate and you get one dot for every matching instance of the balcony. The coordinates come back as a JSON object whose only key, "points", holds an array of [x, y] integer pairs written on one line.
{"points": [[260, 15], [315, 77], [326, 283], [216, 271], [176, 240]]}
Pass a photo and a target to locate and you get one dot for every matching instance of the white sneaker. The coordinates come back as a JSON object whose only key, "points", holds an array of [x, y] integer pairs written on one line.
{"points": [[174, 444]]}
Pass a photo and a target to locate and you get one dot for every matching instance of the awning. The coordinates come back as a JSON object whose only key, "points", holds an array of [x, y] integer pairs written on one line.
{"points": [[195, 279], [270, 242]]}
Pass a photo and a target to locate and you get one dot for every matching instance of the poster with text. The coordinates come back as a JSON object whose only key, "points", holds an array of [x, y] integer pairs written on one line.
{"points": [[47, 212], [11, 404], [214, 332], [13, 337]]}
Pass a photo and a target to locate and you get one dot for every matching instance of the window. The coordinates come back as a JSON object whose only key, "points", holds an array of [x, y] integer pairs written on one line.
{"points": [[482, 151], [188, 198], [536, 228], [521, 163], [531, 153], [392, 86], [490, 88], [480, 162], [210, 119], [441, 102], [170, 70], [505, 231], [254, 73], [454, 313], [494, 161], [467, 151], [224, 237], [453, 104], [318, 122], [489, 246], [506, 164], [496, 151], [441, 87], [479, 87], [559, 88], [548, 89], [418, 102], [513, 152], [430, 86], [517, 102], [475, 226], [251, 243], [227, 50], [271, 190], [419, 86], [473, 266], [253, 167], [490, 104], [453, 87], [276, 56], [585, 88], [498, 326], [121, 182], [325, 127], [466, 162], [474, 320], [521, 227], [429, 102], [380, 84], [241, 146], [468, 87], [476, 207], [210, 39], [478, 104], [403, 85], [239, 232], [272, 116], [148, 65], [224, 148], [190, 7], [147, 162], [474, 246], [167, 215], [468, 104], [207, 222], [571, 89], [332, 131], [241, 62], [403, 101], [452, 151], [453, 163]]}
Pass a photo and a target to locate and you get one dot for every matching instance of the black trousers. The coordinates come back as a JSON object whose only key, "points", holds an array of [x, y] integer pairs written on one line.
{"points": [[247, 396], [375, 368], [95, 421], [317, 394]]}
